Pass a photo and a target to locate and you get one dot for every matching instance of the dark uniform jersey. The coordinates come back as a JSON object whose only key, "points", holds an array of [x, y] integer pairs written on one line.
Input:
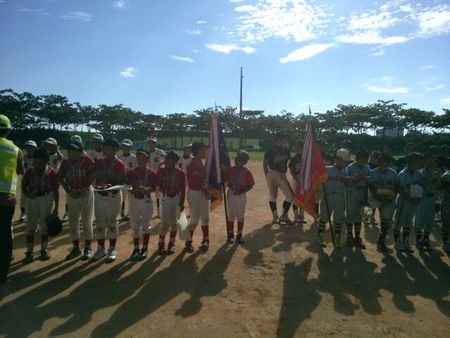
{"points": [[270, 156]]}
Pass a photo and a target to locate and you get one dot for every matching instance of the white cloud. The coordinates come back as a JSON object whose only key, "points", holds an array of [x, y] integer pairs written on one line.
{"points": [[121, 4], [445, 100], [371, 38], [196, 51], [376, 21], [129, 72], [379, 52], [426, 67], [306, 52], [38, 11], [227, 48], [181, 58], [245, 8], [432, 89], [194, 32], [387, 90], [434, 21], [201, 22], [235, 1], [77, 16]]}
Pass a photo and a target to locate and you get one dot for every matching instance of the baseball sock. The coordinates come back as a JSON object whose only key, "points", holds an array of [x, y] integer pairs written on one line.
{"points": [[145, 241], [230, 227], [112, 242], [192, 234], [173, 234], [76, 243], [157, 204], [337, 229], [445, 234], [405, 235], [44, 242], [87, 243], [286, 207], [205, 231], [384, 230], [273, 206], [161, 238], [426, 235], [30, 240], [123, 208], [240, 226], [101, 243], [349, 229], [295, 208], [321, 227], [418, 234], [396, 235], [357, 226], [136, 243], [22, 210]]}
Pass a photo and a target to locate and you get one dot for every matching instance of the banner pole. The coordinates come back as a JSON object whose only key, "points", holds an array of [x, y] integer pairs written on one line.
{"points": [[328, 212]]}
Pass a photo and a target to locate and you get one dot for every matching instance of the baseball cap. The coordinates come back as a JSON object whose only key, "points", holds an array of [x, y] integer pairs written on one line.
{"points": [[41, 154], [143, 151], [152, 138], [172, 155], [75, 145], [51, 140], [196, 146], [127, 142], [76, 138], [30, 143], [5, 123], [343, 154], [242, 155], [111, 142], [98, 137], [187, 145]]}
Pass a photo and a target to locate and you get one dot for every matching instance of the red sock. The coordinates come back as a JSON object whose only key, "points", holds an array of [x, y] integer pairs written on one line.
{"points": [[76, 243], [192, 234], [146, 240], [205, 231], [136, 242], [161, 238], [101, 243], [173, 234], [30, 238], [240, 226], [112, 242], [230, 227], [87, 243]]}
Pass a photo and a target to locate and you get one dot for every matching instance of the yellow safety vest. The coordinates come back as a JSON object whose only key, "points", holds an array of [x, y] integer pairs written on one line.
{"points": [[8, 166]]}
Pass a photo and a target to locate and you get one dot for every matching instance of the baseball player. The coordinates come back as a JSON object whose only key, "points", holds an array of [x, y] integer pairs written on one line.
{"points": [[144, 181], [40, 187], [109, 171], [405, 203], [172, 183], [76, 176], [445, 208], [294, 168], [240, 181], [369, 216], [198, 195], [275, 168], [156, 161], [30, 146], [358, 172], [429, 180], [97, 142], [186, 157], [335, 189], [383, 187], [55, 155], [130, 160]]}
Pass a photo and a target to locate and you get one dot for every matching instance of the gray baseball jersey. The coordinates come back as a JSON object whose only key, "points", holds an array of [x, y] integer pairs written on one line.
{"points": [[383, 180], [336, 180], [129, 160], [353, 169]]}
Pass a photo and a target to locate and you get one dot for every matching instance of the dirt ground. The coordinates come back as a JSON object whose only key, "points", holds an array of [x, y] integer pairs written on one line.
{"points": [[279, 284]]}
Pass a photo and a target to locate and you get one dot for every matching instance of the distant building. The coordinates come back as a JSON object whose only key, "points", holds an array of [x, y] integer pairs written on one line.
{"points": [[394, 132]]}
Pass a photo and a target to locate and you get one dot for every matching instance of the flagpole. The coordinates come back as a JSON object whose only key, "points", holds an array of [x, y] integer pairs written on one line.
{"points": [[328, 212], [225, 205]]}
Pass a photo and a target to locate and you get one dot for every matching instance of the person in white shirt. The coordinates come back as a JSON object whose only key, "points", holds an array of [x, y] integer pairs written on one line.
{"points": [[97, 142], [186, 157], [156, 161], [130, 160]]}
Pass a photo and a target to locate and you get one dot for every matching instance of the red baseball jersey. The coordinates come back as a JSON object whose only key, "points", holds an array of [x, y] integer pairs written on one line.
{"points": [[48, 182], [110, 172], [238, 179], [173, 181], [76, 173], [196, 175], [142, 177]]}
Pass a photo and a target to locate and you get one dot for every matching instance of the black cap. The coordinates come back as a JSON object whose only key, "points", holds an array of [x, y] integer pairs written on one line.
{"points": [[196, 146], [242, 156], [75, 145], [172, 155], [143, 151], [41, 154], [112, 142]]}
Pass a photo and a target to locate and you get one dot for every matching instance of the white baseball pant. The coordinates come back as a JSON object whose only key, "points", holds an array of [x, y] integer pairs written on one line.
{"points": [[199, 208], [38, 208], [107, 210], [277, 180], [141, 211], [336, 206], [236, 206], [168, 212], [84, 207]]}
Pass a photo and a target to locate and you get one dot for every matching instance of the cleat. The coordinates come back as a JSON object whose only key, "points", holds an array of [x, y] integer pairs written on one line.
{"points": [[100, 253], [23, 216], [426, 244], [240, 239], [320, 241], [398, 246], [29, 257], [359, 243], [74, 253], [188, 246], [112, 254], [87, 254], [135, 255], [275, 218], [171, 248], [350, 242], [446, 247], [161, 250], [419, 244], [230, 238], [65, 217], [407, 248], [285, 220], [45, 256], [337, 240], [381, 246], [143, 254], [205, 244]]}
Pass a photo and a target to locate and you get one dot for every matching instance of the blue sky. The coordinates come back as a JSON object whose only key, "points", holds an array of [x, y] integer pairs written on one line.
{"points": [[166, 56]]}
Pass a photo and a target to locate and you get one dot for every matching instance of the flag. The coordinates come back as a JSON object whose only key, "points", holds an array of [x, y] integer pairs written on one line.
{"points": [[312, 172], [217, 157]]}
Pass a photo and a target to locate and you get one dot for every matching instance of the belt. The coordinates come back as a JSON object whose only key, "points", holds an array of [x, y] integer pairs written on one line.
{"points": [[107, 193], [171, 195], [41, 193], [140, 197]]}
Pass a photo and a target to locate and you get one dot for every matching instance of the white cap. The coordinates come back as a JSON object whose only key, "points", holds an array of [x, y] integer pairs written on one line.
{"points": [[344, 154], [51, 140], [98, 137], [152, 138], [187, 145], [30, 143], [127, 142], [76, 138]]}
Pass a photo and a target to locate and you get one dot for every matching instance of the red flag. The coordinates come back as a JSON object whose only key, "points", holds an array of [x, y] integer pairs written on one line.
{"points": [[312, 172]]}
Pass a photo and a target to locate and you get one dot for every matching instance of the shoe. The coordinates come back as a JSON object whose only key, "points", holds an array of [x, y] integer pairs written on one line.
{"points": [[188, 246], [29, 257], [350, 242], [359, 243], [426, 244], [112, 254], [161, 250], [285, 220], [171, 248], [74, 253], [100, 253], [419, 244], [230, 238], [135, 255], [87, 254], [398, 246], [275, 218], [381, 246], [240, 239], [372, 221], [23, 216], [407, 248], [45, 256], [446, 247], [320, 241], [337, 240], [205, 244], [65, 217], [143, 254], [125, 217]]}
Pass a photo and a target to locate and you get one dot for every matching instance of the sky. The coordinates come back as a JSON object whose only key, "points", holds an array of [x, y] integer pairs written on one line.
{"points": [[176, 56]]}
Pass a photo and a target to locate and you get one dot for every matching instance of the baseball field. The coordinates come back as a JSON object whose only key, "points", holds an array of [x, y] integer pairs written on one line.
{"points": [[278, 284]]}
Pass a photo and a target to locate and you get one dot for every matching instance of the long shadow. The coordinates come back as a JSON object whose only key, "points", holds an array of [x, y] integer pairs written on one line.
{"points": [[181, 276]]}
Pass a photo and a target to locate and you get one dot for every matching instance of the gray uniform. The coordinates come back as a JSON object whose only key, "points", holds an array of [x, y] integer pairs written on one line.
{"points": [[357, 192], [404, 209], [387, 180], [427, 205]]}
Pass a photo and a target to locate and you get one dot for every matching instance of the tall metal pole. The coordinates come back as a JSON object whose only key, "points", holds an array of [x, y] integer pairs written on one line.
{"points": [[241, 117]]}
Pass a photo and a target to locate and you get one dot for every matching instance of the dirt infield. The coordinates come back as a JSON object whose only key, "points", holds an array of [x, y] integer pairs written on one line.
{"points": [[279, 284]]}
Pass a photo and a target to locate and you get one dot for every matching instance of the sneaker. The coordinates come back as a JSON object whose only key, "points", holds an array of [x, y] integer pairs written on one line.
{"points": [[100, 253], [188, 246], [205, 244], [124, 217], [240, 239], [143, 254], [45, 256], [275, 218], [23, 216], [230, 238], [74, 253], [446, 247], [398, 246], [320, 241], [135, 255], [285, 220], [112, 254], [381, 246], [171, 248], [337, 240], [372, 221], [426, 244], [350, 242], [65, 217], [29, 257], [407, 247], [161, 250], [359, 243], [87, 254]]}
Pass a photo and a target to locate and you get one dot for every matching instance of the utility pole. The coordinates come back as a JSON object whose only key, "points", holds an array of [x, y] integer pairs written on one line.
{"points": [[241, 115]]}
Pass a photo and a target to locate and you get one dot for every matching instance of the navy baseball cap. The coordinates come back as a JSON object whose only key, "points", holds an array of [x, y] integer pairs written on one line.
{"points": [[41, 154], [143, 151], [196, 146], [172, 155], [111, 142], [75, 145]]}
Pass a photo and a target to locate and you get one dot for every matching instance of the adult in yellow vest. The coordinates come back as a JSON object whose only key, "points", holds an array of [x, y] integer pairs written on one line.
{"points": [[11, 165]]}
